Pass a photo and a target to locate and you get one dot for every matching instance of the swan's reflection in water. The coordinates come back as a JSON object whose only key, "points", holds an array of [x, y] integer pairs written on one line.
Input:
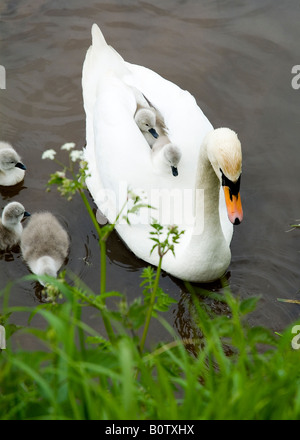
{"points": [[186, 320], [10, 254], [10, 192]]}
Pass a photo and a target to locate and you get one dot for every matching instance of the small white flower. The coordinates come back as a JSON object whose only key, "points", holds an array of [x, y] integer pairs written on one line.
{"points": [[67, 146], [61, 174], [49, 154], [76, 154]]}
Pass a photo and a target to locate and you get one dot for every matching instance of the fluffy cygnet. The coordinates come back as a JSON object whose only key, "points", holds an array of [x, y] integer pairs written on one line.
{"points": [[44, 244], [145, 119], [12, 170], [152, 125], [149, 120], [10, 224], [164, 155]]}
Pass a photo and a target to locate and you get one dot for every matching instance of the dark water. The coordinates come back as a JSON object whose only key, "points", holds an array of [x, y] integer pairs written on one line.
{"points": [[235, 57]]}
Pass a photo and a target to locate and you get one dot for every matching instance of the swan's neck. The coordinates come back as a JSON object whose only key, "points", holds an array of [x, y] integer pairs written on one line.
{"points": [[207, 188], [205, 256]]}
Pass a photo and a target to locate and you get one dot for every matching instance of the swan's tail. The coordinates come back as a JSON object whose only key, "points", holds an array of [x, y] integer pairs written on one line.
{"points": [[115, 63], [100, 61], [91, 66], [98, 40]]}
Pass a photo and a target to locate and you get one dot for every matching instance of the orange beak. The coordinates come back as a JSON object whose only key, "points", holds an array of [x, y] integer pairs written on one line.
{"points": [[234, 206]]}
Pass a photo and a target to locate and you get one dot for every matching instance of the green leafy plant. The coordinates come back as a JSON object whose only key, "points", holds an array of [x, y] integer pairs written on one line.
{"points": [[163, 246], [78, 373]]}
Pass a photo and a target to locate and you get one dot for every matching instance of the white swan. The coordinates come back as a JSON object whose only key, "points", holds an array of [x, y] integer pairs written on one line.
{"points": [[10, 224], [118, 157], [12, 170], [44, 244]]}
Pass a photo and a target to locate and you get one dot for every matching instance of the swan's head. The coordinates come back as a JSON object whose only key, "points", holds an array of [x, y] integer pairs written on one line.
{"points": [[145, 119], [172, 155], [10, 159], [13, 214], [225, 154]]}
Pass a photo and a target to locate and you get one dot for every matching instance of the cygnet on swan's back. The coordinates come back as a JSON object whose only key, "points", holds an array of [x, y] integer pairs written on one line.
{"points": [[152, 125], [164, 155], [149, 120], [10, 224], [44, 244], [12, 170], [145, 119]]}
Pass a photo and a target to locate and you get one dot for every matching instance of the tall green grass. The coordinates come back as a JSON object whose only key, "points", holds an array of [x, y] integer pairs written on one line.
{"points": [[235, 371], [238, 373]]}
